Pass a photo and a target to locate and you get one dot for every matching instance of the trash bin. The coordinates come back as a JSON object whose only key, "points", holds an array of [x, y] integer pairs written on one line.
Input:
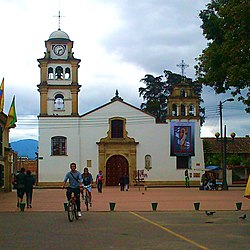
{"points": [[112, 206], [154, 206], [22, 206], [238, 205], [196, 205], [66, 206]]}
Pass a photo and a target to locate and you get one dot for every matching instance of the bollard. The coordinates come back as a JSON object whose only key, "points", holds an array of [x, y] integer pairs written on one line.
{"points": [[65, 206], [154, 206], [112, 206], [22, 206], [197, 205], [238, 205]]}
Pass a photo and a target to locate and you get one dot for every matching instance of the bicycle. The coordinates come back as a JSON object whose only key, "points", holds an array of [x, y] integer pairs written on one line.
{"points": [[85, 196], [72, 208]]}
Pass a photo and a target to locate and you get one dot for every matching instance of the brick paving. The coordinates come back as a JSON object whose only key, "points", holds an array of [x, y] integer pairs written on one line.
{"points": [[168, 199]]}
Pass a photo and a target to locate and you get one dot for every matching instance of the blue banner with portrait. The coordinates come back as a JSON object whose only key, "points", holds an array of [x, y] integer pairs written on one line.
{"points": [[182, 138]]}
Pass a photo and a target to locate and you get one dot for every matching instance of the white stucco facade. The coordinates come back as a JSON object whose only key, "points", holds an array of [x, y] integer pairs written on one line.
{"points": [[84, 132]]}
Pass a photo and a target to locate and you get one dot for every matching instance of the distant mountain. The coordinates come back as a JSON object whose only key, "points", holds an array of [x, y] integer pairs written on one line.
{"points": [[26, 147]]}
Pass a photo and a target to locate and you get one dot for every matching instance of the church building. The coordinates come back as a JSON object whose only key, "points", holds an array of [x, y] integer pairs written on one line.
{"points": [[116, 137]]}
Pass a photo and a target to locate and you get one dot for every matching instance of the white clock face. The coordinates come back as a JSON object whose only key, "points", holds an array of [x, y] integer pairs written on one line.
{"points": [[59, 49]]}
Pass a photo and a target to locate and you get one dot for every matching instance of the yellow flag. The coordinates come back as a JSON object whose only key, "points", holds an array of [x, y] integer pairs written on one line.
{"points": [[12, 119], [247, 190], [2, 96]]}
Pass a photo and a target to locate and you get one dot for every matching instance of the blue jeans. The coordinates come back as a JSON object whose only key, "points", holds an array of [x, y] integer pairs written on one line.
{"points": [[76, 192]]}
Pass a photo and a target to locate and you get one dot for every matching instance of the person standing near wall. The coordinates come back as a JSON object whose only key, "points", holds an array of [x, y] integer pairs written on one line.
{"points": [[186, 178], [121, 183], [126, 181]]}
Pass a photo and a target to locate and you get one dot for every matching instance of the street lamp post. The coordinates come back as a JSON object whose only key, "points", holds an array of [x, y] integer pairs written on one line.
{"points": [[223, 146]]}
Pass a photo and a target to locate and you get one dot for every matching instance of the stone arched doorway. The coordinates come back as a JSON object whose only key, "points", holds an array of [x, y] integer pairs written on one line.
{"points": [[116, 166]]}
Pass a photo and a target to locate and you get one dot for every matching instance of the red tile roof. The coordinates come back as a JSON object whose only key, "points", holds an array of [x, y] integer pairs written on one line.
{"points": [[236, 145]]}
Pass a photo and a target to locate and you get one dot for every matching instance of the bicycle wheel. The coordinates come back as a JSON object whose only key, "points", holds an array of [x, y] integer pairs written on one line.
{"points": [[76, 212], [87, 202], [71, 211]]}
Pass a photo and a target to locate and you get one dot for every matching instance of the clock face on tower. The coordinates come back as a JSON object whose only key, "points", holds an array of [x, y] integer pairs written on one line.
{"points": [[59, 49]]}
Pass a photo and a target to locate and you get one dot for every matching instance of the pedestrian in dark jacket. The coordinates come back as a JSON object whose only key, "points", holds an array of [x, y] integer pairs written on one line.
{"points": [[20, 180], [126, 181], [121, 183], [29, 183]]}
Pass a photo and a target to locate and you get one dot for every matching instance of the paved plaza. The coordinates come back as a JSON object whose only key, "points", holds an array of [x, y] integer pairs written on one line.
{"points": [[168, 199], [133, 225]]}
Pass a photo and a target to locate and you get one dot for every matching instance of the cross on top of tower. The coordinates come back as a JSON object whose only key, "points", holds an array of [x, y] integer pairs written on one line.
{"points": [[59, 19], [183, 66]]}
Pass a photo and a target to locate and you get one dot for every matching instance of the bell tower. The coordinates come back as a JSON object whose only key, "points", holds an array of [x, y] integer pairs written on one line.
{"points": [[183, 103], [59, 86]]}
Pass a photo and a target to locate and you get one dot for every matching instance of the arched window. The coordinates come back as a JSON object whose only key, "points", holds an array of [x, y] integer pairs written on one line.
{"points": [[191, 110], [174, 110], [59, 72], [117, 128], [67, 73], [183, 110], [58, 145], [183, 93], [50, 73], [59, 102]]}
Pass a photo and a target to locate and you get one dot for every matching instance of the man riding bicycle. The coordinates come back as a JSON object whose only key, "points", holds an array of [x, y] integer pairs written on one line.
{"points": [[75, 182], [87, 180]]}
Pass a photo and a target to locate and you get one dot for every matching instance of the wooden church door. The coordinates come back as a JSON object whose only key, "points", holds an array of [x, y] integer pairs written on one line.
{"points": [[116, 166]]}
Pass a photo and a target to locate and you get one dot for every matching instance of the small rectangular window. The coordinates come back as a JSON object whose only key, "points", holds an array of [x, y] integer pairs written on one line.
{"points": [[58, 145], [89, 163], [117, 129], [183, 162]]}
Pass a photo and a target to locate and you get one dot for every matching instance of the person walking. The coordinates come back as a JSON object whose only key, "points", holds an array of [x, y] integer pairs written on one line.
{"points": [[186, 179], [121, 183], [20, 180], [29, 183], [99, 181], [126, 181], [15, 185], [75, 182]]}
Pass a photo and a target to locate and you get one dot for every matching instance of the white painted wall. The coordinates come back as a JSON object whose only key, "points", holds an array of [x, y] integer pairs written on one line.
{"points": [[82, 134], [53, 168]]}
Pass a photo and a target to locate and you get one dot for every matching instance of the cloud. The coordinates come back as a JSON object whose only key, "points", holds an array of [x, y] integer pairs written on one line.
{"points": [[156, 36], [118, 42]]}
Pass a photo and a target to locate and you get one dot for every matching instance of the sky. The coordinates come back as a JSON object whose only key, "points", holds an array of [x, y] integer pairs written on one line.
{"points": [[118, 42]]}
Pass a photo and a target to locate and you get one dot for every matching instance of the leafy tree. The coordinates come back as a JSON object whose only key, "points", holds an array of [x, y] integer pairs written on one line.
{"points": [[156, 93], [234, 160], [225, 63], [213, 160], [246, 162]]}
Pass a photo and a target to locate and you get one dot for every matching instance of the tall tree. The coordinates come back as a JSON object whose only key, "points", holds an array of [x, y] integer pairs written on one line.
{"points": [[156, 93], [225, 63]]}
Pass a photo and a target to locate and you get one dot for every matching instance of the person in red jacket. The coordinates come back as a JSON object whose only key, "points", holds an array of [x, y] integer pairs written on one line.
{"points": [[99, 181]]}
